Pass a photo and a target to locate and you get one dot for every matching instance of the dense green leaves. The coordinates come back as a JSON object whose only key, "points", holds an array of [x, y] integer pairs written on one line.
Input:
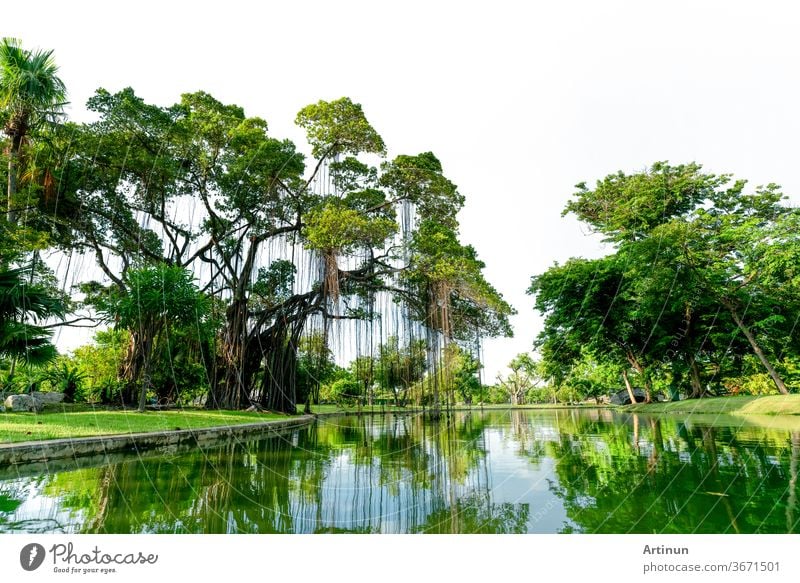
{"points": [[335, 227], [704, 275], [163, 196], [21, 301], [338, 127]]}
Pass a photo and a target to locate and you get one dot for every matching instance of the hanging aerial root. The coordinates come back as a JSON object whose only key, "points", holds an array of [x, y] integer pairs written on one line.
{"points": [[331, 283]]}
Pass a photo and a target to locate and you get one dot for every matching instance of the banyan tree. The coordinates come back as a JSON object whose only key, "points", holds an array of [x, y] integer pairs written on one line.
{"points": [[343, 245]]}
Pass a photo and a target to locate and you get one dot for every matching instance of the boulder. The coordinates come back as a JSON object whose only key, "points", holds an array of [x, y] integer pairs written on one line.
{"points": [[48, 398], [23, 403], [623, 398]]}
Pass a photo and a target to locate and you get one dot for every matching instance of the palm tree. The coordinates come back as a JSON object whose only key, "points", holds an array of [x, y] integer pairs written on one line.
{"points": [[19, 300], [31, 93]]}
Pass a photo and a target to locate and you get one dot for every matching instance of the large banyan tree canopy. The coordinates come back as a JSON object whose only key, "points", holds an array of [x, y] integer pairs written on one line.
{"points": [[344, 244]]}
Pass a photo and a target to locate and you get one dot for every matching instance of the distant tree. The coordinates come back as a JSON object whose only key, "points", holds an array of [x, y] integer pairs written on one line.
{"points": [[100, 362], [523, 377], [702, 274], [594, 377], [463, 373], [398, 368]]}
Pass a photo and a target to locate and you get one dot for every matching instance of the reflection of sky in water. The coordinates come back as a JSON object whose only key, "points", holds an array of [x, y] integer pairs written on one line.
{"points": [[37, 511], [538, 472], [517, 480]]}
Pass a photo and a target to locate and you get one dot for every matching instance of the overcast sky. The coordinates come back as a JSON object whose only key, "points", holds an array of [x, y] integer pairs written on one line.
{"points": [[519, 100]]}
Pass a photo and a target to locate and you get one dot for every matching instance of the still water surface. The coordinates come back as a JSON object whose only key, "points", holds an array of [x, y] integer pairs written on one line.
{"points": [[494, 472]]}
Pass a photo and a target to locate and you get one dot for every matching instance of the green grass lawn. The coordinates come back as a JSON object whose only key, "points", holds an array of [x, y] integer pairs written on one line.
{"points": [[84, 421], [766, 405]]}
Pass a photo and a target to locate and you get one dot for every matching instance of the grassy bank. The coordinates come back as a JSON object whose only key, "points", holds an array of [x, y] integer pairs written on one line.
{"points": [[765, 405], [329, 409], [85, 422]]}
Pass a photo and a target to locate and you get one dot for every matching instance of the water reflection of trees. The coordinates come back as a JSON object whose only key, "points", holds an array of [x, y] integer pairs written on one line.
{"points": [[611, 472], [660, 474], [351, 474]]}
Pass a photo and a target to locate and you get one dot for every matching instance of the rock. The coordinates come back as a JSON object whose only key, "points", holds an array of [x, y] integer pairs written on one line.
{"points": [[23, 403], [48, 398]]}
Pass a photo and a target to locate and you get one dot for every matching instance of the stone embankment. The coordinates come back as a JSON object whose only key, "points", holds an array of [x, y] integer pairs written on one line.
{"points": [[163, 442]]}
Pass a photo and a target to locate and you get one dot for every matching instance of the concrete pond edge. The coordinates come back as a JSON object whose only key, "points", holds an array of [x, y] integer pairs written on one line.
{"points": [[42, 452], [164, 441]]}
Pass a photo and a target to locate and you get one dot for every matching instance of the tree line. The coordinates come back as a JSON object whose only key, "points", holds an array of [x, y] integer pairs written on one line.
{"points": [[698, 297], [220, 250]]}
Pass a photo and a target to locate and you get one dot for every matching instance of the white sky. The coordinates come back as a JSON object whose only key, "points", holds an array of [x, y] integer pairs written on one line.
{"points": [[519, 100]]}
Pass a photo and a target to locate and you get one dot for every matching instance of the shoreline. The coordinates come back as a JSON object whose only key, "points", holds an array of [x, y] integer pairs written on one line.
{"points": [[17, 453], [46, 450], [783, 405]]}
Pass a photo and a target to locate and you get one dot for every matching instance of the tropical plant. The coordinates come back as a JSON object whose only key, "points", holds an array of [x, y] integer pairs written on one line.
{"points": [[31, 93], [154, 301], [20, 301], [66, 378]]}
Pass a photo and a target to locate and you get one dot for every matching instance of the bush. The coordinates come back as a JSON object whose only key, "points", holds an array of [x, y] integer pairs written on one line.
{"points": [[99, 363], [344, 391], [568, 395]]}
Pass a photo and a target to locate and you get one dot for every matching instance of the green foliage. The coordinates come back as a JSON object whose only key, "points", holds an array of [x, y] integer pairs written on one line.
{"points": [[99, 365], [154, 296], [21, 301], [67, 379], [463, 369], [316, 370], [119, 187], [419, 179], [703, 279], [627, 207], [342, 391], [335, 227], [338, 127], [399, 367], [273, 284], [440, 261], [30, 90], [180, 373], [524, 377], [161, 308]]}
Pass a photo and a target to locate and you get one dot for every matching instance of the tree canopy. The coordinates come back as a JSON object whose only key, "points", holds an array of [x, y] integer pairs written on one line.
{"points": [[196, 200], [701, 285]]}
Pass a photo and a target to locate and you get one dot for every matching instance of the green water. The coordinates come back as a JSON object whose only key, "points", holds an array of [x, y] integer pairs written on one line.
{"points": [[496, 472]]}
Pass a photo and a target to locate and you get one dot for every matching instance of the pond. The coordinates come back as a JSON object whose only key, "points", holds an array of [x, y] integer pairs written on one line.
{"points": [[520, 471]]}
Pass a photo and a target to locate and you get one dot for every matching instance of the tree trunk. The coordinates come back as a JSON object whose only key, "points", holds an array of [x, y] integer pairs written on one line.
{"points": [[675, 385], [628, 386], [148, 342], [278, 346], [791, 502], [13, 157], [694, 376], [648, 387], [130, 369], [776, 378], [145, 386], [228, 392]]}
